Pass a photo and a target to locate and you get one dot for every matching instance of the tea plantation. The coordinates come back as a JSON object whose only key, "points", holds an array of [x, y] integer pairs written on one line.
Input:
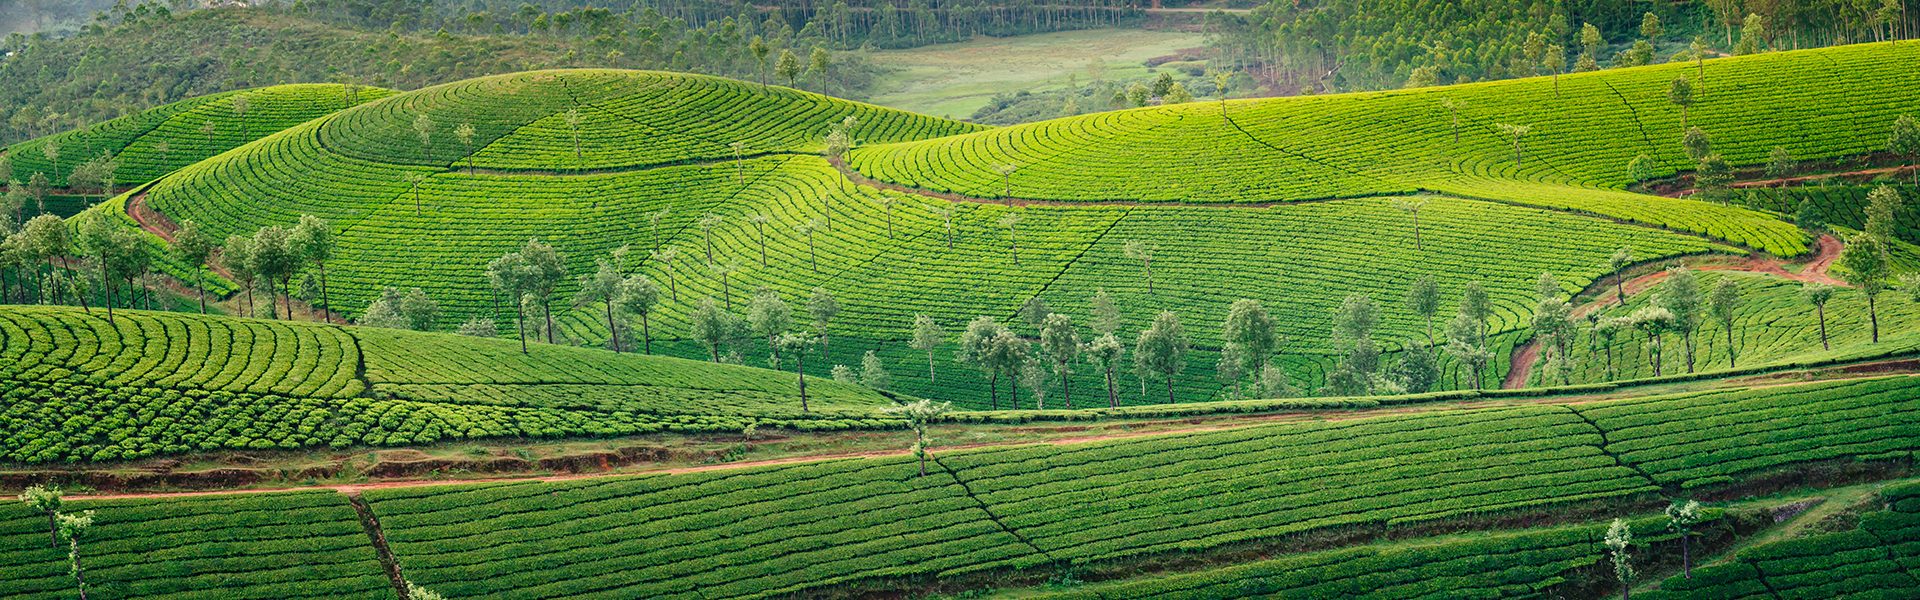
{"points": [[153, 384]]}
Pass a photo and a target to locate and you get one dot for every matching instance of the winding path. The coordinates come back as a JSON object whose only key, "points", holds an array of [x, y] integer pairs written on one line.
{"points": [[1826, 250]]}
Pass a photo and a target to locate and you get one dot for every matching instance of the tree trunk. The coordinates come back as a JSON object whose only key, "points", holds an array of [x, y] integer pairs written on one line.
{"points": [[1689, 340], [547, 307], [1873, 316], [200, 287], [800, 367], [993, 391], [1730, 351], [1823, 328], [612, 332], [79, 574], [646, 333], [520, 325], [1169, 389], [53, 529], [326, 302], [1686, 556], [1113, 398], [1066, 395], [929, 365]]}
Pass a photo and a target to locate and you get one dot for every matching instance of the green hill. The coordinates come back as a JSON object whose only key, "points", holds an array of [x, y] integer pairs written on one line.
{"points": [[77, 388], [1585, 129], [152, 143], [654, 169]]}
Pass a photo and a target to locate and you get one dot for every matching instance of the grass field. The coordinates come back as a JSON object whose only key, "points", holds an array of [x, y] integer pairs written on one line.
{"points": [[954, 80]]}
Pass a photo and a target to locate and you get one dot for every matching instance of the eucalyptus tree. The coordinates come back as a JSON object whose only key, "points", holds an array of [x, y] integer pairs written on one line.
{"points": [[545, 269], [1106, 314], [976, 345], [707, 223], [237, 256], [666, 258], [1818, 294], [1680, 93], [73, 527], [788, 67], [1161, 349], [192, 247], [1865, 265], [873, 372], [274, 260], [465, 133], [759, 221], [1423, 298], [1618, 265], [603, 286], [1618, 539], [1061, 342], [1105, 352], [1412, 207], [1654, 322], [1247, 340], [1008, 354], [1143, 252], [927, 335], [313, 239], [919, 415], [822, 307], [1682, 298], [1518, 133], [1682, 516], [791, 344], [573, 118], [768, 316], [1011, 221], [241, 105], [47, 499], [807, 229], [639, 295], [713, 326], [1905, 139], [945, 212], [1722, 304], [422, 129]]}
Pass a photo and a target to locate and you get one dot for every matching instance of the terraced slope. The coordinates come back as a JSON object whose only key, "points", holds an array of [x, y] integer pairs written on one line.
{"points": [[165, 138], [647, 178], [873, 522], [266, 547], [1521, 564], [1816, 103], [1876, 559], [74, 388], [1774, 324]]}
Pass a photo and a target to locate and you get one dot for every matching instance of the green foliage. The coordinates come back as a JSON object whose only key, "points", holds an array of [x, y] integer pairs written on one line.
{"points": [[1869, 560]]}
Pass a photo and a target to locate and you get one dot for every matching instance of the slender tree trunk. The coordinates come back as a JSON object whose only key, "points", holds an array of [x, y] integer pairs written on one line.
{"points": [[326, 302], [53, 529], [800, 366], [1873, 316], [993, 391], [1689, 340], [520, 325], [199, 286], [1730, 350], [547, 307], [1066, 394], [1823, 328], [1113, 397], [1013, 392], [930, 365], [1169, 389], [612, 332], [1611, 374], [646, 333]]}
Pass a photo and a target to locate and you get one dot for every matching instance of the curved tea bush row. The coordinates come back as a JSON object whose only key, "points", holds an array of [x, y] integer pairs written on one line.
{"points": [[1774, 323], [626, 119], [1520, 564], [1834, 102], [264, 547], [1697, 440], [177, 351], [1874, 560], [1842, 205], [163, 139], [796, 529]]}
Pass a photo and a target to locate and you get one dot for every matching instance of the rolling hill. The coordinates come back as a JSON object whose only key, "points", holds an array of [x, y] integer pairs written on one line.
{"points": [[591, 161]]}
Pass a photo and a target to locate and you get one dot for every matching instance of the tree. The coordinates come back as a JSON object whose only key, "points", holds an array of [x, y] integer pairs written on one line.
{"points": [[1818, 294], [1475, 304], [638, 295], [47, 499], [1454, 107], [1359, 359], [1722, 305], [51, 150], [1650, 27], [1061, 342], [807, 229], [545, 269], [818, 61], [919, 414], [788, 67], [1247, 339], [1423, 76], [423, 129], [236, 256], [1011, 221], [419, 310], [1682, 298], [1106, 314], [1605, 330], [1654, 322], [1412, 207], [1729, 13], [465, 134], [1752, 30], [416, 592], [1680, 93], [72, 528], [1177, 94], [1534, 50], [240, 107], [759, 221], [759, 49], [790, 344], [192, 247], [1222, 85], [1423, 298], [1698, 49], [1143, 252], [768, 316], [573, 118], [1905, 139], [1864, 264], [1590, 43], [927, 335], [1138, 94], [976, 343], [1681, 518], [1618, 265], [508, 274], [1618, 538], [1697, 143], [707, 223], [1467, 345], [823, 308], [1105, 353], [1034, 311], [1161, 350], [1517, 132], [603, 286], [1882, 203], [414, 179], [1007, 355], [1780, 163], [653, 223], [945, 213], [313, 239], [273, 259], [1555, 63], [873, 372], [713, 326]]}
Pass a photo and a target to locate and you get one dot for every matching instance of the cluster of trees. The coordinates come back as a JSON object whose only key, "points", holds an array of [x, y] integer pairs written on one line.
{"points": [[1346, 45], [48, 260], [145, 54]]}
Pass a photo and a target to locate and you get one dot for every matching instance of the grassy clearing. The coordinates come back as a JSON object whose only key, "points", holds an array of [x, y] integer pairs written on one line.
{"points": [[954, 80]]}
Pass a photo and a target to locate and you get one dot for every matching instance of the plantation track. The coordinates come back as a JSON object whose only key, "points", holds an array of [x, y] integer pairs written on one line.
{"points": [[1227, 423], [1800, 179], [1815, 270]]}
